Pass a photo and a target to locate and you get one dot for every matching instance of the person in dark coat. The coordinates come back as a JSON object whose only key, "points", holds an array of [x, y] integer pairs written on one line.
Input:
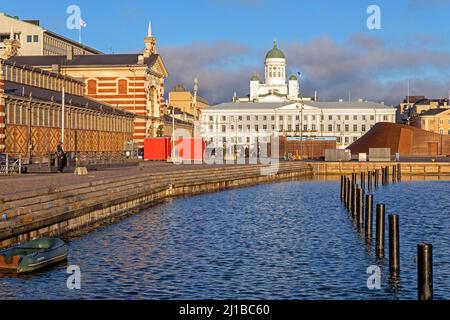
{"points": [[61, 157]]}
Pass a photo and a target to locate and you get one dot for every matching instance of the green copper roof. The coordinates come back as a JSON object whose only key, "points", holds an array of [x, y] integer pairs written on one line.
{"points": [[275, 53], [293, 77], [255, 78]]}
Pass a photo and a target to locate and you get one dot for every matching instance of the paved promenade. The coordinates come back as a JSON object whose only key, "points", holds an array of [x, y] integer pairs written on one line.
{"points": [[30, 182]]}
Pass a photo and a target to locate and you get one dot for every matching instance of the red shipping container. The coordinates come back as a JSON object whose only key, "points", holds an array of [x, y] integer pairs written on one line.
{"points": [[191, 149], [157, 149]]}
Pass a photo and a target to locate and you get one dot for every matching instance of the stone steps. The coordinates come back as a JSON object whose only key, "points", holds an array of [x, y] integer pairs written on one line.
{"points": [[87, 194], [69, 191]]}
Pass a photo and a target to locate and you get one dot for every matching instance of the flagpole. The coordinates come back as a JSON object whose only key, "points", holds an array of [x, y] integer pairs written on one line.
{"points": [[79, 35]]}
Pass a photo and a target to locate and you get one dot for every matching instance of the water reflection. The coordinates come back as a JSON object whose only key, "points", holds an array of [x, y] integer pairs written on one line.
{"points": [[290, 240]]}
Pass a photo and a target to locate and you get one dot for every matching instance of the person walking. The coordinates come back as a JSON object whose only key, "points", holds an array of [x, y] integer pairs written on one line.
{"points": [[61, 157]]}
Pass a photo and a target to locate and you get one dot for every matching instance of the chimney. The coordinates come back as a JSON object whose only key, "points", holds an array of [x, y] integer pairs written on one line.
{"points": [[69, 54], [140, 59]]}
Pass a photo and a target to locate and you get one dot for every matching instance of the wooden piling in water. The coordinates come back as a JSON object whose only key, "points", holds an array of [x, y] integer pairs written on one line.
{"points": [[355, 201], [363, 180], [369, 216], [394, 243], [360, 213], [380, 230], [399, 172], [377, 176], [349, 188], [425, 271]]}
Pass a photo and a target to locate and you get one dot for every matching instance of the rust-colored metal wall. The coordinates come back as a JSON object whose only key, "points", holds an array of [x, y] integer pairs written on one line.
{"points": [[406, 140], [309, 149]]}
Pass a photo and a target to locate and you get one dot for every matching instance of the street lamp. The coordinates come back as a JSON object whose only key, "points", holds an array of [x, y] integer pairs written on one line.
{"points": [[301, 115], [195, 97]]}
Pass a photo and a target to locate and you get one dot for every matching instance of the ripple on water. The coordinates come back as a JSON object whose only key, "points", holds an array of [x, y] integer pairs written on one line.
{"points": [[279, 241]]}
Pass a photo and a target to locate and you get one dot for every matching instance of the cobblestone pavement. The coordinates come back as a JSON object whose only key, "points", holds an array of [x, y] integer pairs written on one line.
{"points": [[30, 182]]}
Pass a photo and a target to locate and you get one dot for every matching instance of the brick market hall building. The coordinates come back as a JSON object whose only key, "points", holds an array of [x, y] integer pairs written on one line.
{"points": [[131, 82], [32, 115]]}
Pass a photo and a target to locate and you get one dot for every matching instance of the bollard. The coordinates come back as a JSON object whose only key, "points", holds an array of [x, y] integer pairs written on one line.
{"points": [[360, 214], [380, 230], [369, 216], [394, 243], [425, 271], [355, 201]]}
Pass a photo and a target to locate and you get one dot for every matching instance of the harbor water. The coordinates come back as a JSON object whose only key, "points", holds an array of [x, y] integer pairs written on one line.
{"points": [[290, 240]]}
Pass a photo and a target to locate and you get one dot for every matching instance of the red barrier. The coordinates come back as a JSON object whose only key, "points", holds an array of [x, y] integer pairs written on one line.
{"points": [[157, 149]]}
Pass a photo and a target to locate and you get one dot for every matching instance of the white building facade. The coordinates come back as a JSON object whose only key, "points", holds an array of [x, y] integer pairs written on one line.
{"points": [[251, 123], [277, 107]]}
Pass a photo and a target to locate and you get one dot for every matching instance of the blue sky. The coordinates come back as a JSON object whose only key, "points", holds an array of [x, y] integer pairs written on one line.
{"points": [[224, 41]]}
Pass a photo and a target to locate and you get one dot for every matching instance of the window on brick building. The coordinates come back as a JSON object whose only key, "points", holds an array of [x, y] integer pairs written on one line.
{"points": [[92, 86], [122, 86]]}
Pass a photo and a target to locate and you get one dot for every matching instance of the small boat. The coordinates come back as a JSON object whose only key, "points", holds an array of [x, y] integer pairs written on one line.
{"points": [[33, 255]]}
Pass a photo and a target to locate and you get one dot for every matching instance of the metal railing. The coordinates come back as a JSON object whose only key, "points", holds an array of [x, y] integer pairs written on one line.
{"points": [[77, 159], [10, 165]]}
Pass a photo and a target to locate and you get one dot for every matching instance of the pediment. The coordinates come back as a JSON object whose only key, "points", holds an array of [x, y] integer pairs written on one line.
{"points": [[160, 68]]}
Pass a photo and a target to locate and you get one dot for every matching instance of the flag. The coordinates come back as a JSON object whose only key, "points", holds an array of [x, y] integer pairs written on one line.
{"points": [[83, 23]]}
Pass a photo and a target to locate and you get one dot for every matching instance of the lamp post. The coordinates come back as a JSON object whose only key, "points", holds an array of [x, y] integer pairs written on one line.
{"points": [[173, 132], [63, 111], [195, 97], [301, 115]]}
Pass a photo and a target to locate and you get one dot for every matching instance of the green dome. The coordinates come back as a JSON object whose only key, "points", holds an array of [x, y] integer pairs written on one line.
{"points": [[275, 53], [293, 77], [255, 78]]}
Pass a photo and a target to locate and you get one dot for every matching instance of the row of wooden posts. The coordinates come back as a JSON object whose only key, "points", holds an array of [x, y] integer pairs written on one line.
{"points": [[360, 206]]}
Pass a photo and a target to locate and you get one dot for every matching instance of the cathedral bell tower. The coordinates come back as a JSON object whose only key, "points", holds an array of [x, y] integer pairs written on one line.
{"points": [[275, 66], [150, 42]]}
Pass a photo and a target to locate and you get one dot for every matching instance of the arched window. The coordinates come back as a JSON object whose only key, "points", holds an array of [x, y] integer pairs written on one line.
{"points": [[123, 86], [92, 87]]}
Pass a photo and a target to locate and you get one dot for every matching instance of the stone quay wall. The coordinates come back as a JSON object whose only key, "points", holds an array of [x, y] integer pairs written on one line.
{"points": [[407, 168], [64, 210]]}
